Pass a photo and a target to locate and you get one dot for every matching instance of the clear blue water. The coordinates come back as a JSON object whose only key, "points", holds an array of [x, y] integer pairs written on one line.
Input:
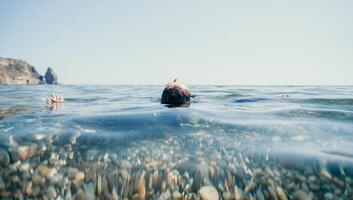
{"points": [[311, 126], [316, 120]]}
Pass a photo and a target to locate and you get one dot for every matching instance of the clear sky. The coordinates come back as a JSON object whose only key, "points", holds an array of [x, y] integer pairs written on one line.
{"points": [[200, 42]]}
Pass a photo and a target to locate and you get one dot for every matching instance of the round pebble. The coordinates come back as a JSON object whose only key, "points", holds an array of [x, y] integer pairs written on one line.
{"points": [[208, 193]]}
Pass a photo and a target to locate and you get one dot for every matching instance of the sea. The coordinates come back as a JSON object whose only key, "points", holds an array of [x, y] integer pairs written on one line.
{"points": [[232, 142]]}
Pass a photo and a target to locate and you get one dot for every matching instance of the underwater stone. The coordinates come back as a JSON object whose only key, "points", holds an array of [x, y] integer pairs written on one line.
{"points": [[324, 173], [23, 152], [115, 195], [51, 192], [227, 196], [28, 189], [176, 195], [4, 158], [259, 194], [280, 193], [328, 196], [89, 191], [80, 195], [208, 193], [38, 137], [300, 195], [79, 176], [124, 174], [139, 186], [99, 184], [43, 170], [38, 180], [24, 167]]}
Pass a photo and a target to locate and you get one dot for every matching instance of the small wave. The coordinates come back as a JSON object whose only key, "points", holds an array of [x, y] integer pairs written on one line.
{"points": [[326, 101], [233, 95], [83, 100], [319, 113], [249, 100]]}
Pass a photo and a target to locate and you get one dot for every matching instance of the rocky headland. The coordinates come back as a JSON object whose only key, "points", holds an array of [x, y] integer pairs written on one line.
{"points": [[19, 72]]}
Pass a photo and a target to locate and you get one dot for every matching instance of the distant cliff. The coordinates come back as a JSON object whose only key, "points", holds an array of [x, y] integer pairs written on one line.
{"points": [[19, 72]]}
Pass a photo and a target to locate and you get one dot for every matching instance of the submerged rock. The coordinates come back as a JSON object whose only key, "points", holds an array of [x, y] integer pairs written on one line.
{"points": [[208, 193], [139, 186], [51, 192], [301, 195], [23, 152], [281, 194], [4, 158]]}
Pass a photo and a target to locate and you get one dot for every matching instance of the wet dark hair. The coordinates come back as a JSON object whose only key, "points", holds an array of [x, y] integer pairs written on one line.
{"points": [[173, 96]]}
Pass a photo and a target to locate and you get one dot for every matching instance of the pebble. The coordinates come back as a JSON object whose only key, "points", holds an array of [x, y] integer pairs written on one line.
{"points": [[89, 191], [301, 195], [165, 195], [280, 193], [272, 192], [324, 173], [208, 193], [43, 170], [24, 152], [28, 189], [176, 195], [79, 176], [238, 195], [51, 192], [38, 180], [90, 175], [227, 196], [259, 195], [99, 184], [56, 179], [124, 174], [4, 158], [68, 195], [36, 190], [212, 171], [328, 196], [115, 195], [80, 195], [24, 167], [139, 187], [2, 184], [38, 137]]}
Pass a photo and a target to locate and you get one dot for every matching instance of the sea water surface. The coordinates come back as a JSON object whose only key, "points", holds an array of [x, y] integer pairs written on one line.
{"points": [[233, 142]]}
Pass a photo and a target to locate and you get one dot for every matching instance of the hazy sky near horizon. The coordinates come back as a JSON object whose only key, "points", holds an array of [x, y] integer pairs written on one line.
{"points": [[200, 42]]}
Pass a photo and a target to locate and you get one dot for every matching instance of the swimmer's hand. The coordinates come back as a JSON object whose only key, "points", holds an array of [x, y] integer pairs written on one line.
{"points": [[55, 98]]}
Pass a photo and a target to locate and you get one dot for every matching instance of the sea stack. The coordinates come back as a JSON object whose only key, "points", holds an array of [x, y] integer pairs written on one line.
{"points": [[17, 72], [50, 77], [176, 93]]}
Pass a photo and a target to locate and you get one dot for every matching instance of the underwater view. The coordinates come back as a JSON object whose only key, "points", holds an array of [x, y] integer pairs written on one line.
{"points": [[232, 142]]}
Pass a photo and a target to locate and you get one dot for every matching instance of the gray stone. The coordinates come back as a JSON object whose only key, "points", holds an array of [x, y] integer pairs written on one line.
{"points": [[51, 77], [51, 192], [208, 193], [4, 157], [301, 195], [89, 191]]}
